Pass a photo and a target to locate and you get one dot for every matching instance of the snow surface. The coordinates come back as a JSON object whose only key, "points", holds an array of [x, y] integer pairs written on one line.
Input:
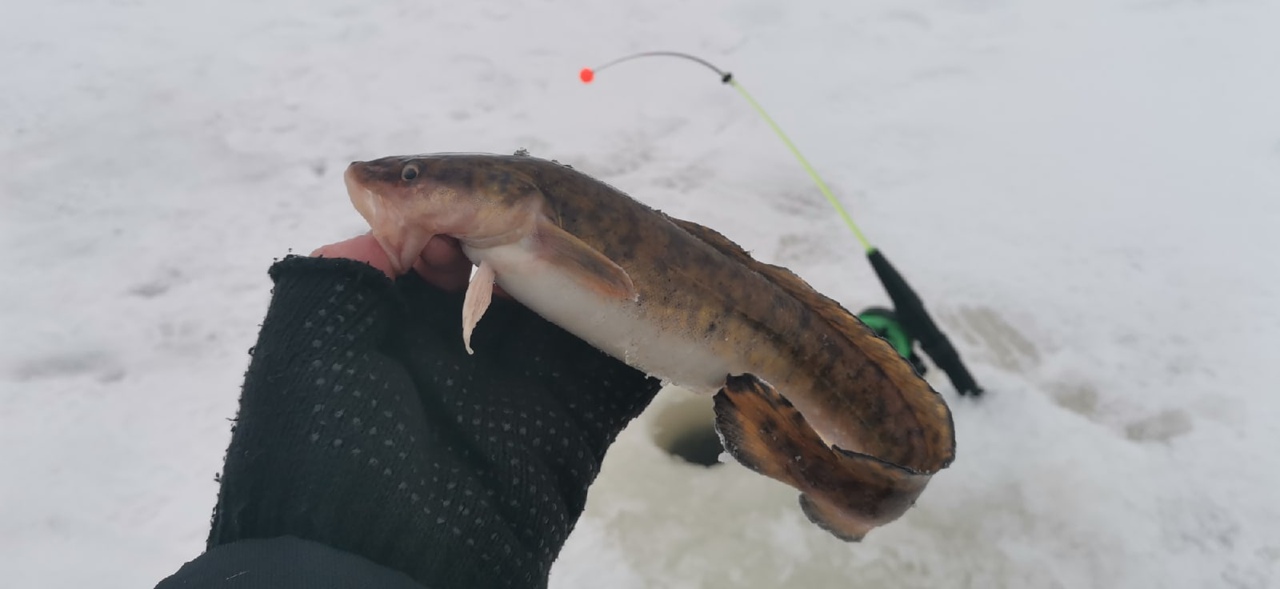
{"points": [[1085, 193]]}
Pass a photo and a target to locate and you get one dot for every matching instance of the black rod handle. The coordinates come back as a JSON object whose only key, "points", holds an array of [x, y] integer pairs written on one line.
{"points": [[916, 320]]}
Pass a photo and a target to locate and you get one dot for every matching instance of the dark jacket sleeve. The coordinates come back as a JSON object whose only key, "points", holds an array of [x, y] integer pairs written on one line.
{"points": [[284, 563], [365, 428]]}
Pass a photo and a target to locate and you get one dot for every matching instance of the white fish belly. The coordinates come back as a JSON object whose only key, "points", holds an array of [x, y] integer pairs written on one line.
{"points": [[619, 328]]}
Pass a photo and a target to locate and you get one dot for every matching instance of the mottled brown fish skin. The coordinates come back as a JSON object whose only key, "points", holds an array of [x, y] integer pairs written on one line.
{"points": [[851, 386]]}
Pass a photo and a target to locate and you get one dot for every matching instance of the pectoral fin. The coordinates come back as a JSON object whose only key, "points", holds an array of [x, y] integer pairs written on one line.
{"points": [[588, 267], [476, 302], [845, 493]]}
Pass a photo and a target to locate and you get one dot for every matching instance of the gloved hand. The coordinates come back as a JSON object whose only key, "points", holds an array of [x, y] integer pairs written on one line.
{"points": [[364, 425]]}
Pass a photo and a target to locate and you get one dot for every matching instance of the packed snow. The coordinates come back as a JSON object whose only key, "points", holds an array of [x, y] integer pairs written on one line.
{"points": [[1084, 193]]}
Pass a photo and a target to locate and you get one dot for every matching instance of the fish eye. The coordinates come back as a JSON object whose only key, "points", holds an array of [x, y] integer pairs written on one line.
{"points": [[409, 172]]}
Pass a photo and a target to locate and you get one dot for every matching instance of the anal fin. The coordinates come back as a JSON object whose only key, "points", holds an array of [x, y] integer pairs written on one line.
{"points": [[845, 493]]}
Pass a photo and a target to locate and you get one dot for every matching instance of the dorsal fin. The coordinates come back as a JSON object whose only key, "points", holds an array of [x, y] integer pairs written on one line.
{"points": [[926, 403]]}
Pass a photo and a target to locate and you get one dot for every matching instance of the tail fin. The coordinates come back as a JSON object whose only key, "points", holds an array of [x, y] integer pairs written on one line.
{"points": [[843, 492]]}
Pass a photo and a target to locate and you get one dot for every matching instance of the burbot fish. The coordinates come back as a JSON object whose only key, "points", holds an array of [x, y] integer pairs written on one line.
{"points": [[804, 392]]}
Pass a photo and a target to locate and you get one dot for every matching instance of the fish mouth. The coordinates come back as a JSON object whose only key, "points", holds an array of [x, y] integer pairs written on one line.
{"points": [[402, 242]]}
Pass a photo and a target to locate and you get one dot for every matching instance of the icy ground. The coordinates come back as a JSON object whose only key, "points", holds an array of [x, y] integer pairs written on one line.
{"points": [[1086, 194]]}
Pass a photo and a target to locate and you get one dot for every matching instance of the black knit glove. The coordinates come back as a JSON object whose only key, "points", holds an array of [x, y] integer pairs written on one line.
{"points": [[364, 425]]}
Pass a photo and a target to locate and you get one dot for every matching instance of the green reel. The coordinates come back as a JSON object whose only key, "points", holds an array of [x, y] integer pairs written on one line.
{"points": [[884, 323]]}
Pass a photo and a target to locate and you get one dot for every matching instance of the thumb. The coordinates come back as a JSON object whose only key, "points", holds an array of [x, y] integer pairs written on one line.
{"points": [[362, 248]]}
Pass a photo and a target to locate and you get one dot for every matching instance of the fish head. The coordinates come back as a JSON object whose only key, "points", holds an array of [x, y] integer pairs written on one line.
{"points": [[479, 200]]}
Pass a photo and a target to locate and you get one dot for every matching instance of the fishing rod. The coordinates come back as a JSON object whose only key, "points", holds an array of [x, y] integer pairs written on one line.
{"points": [[908, 322]]}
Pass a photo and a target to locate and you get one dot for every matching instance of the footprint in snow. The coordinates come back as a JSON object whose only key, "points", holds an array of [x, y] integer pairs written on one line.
{"points": [[1083, 399], [804, 202], [1161, 427], [797, 248], [996, 340], [684, 180], [67, 365], [167, 278]]}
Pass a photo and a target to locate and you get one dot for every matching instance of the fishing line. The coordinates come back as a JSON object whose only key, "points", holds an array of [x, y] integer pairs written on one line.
{"points": [[587, 75], [909, 320]]}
